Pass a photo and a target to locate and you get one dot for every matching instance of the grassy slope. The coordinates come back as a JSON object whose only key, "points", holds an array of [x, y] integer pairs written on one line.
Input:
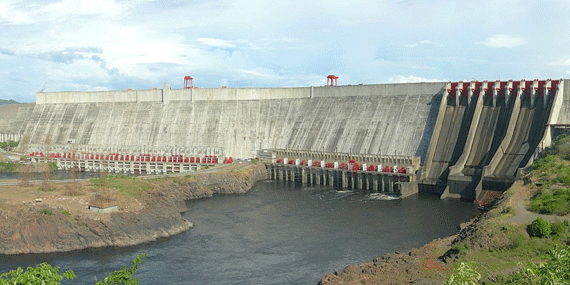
{"points": [[499, 246]]}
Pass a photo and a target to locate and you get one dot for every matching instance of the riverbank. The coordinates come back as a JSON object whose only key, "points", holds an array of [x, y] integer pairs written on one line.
{"points": [[497, 241], [54, 216]]}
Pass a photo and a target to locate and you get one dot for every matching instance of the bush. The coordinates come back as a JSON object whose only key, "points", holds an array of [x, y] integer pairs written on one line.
{"points": [[555, 202], [539, 228], [43, 273], [45, 211], [559, 228], [554, 271], [465, 273], [125, 275]]}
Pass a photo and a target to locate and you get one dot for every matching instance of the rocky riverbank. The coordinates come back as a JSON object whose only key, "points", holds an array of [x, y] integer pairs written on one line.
{"points": [[497, 242], [54, 217]]}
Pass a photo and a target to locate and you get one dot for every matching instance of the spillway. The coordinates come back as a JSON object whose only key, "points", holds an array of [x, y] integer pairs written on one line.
{"points": [[495, 142]]}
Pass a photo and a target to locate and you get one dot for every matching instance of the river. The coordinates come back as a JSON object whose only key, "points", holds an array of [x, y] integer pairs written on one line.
{"points": [[277, 233]]}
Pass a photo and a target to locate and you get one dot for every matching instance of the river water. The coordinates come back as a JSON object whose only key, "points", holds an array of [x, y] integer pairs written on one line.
{"points": [[277, 233]]}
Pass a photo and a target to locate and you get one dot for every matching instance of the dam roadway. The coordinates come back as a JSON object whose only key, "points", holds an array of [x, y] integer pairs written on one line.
{"points": [[468, 136]]}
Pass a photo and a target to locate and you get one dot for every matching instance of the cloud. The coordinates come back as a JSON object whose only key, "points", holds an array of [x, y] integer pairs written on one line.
{"points": [[424, 42], [390, 63], [219, 43], [504, 41], [411, 79]]}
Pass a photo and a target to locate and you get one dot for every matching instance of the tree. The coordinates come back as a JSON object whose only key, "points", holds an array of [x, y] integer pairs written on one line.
{"points": [[45, 274], [125, 275], [42, 274], [554, 271]]}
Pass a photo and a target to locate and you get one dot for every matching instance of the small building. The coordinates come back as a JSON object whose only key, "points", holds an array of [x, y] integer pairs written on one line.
{"points": [[103, 205]]}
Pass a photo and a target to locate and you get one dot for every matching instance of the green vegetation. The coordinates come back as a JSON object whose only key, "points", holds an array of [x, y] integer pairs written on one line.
{"points": [[130, 186], [542, 229], [238, 170], [11, 144], [539, 228], [52, 165], [45, 211], [125, 275], [45, 274], [8, 102], [552, 202], [42, 274], [66, 213], [465, 273], [551, 174], [496, 248], [8, 167], [553, 271]]}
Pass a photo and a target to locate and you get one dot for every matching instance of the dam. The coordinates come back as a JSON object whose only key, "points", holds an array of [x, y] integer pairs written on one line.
{"points": [[452, 138]]}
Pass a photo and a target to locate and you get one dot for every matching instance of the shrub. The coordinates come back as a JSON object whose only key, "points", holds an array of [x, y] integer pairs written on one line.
{"points": [[559, 228], [539, 228], [465, 273], [43, 273], [556, 202], [45, 211], [125, 275], [554, 271]]}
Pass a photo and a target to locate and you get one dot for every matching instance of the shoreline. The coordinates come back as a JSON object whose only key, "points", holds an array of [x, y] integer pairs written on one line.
{"points": [[27, 229]]}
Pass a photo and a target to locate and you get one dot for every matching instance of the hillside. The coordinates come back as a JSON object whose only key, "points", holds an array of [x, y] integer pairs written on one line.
{"points": [[8, 102], [498, 243]]}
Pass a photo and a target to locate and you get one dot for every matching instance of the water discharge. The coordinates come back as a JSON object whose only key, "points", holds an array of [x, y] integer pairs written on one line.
{"points": [[277, 233]]}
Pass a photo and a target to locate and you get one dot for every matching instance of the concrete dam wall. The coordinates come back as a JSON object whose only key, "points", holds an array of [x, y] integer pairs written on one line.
{"points": [[470, 136], [393, 119]]}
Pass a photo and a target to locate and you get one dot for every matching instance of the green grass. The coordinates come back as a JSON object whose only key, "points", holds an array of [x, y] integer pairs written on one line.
{"points": [[66, 213], [8, 167], [129, 186], [46, 211], [553, 173], [555, 202], [508, 246]]}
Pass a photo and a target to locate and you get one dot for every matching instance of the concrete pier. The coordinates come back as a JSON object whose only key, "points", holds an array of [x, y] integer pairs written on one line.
{"points": [[403, 185]]}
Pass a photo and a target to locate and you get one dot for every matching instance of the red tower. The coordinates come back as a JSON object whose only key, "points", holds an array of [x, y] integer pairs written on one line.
{"points": [[332, 80], [188, 82]]}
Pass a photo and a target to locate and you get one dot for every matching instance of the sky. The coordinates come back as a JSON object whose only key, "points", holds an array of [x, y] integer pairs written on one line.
{"points": [[91, 45]]}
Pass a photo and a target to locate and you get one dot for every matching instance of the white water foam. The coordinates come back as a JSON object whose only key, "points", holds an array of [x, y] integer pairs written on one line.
{"points": [[380, 196]]}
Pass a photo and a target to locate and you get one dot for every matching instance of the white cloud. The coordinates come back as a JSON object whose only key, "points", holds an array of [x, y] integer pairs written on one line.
{"points": [[411, 79], [390, 63], [424, 42], [504, 41], [219, 43]]}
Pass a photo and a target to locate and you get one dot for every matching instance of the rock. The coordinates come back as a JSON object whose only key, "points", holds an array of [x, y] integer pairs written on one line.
{"points": [[29, 231]]}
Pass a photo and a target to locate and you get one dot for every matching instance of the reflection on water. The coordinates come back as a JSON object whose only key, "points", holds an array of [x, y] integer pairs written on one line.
{"points": [[277, 233]]}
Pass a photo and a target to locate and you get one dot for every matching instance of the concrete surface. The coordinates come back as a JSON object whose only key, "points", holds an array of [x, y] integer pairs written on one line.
{"points": [[377, 119]]}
